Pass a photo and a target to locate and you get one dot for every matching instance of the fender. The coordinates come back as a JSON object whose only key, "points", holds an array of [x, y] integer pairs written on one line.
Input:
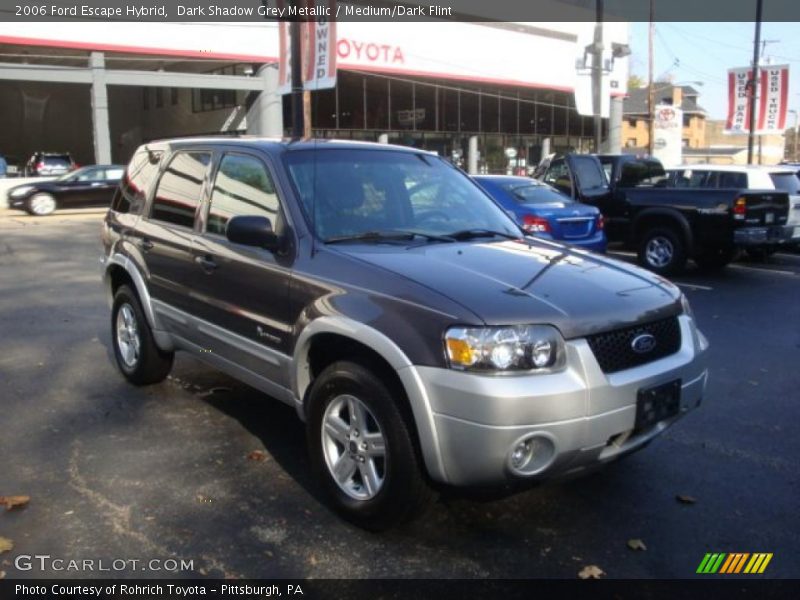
{"points": [[669, 213], [162, 339], [392, 354]]}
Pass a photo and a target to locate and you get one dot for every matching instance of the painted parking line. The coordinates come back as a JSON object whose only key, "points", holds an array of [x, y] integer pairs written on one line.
{"points": [[761, 270], [693, 286]]}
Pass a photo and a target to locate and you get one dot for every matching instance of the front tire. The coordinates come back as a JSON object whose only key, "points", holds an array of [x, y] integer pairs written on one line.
{"points": [[662, 250], [41, 205], [362, 448], [138, 357]]}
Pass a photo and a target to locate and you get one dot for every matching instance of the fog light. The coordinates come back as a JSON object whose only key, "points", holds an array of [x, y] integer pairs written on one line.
{"points": [[521, 454], [531, 454]]}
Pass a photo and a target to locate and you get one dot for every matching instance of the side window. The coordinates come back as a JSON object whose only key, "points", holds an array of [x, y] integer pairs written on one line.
{"points": [[732, 180], [558, 176], [132, 192], [242, 187], [91, 175], [114, 174], [180, 188]]}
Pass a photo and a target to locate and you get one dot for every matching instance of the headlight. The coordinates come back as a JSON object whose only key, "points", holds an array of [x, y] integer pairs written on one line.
{"points": [[687, 309], [20, 191], [513, 348]]}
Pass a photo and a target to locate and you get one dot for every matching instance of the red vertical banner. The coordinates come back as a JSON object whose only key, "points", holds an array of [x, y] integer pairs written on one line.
{"points": [[284, 53], [773, 103], [319, 49], [738, 101], [772, 99]]}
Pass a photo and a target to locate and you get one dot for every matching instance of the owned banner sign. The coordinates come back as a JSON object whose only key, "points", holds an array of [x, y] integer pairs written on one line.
{"points": [[318, 45], [772, 100]]}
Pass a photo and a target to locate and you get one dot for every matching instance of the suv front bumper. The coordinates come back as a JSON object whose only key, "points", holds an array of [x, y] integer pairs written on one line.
{"points": [[579, 417]]}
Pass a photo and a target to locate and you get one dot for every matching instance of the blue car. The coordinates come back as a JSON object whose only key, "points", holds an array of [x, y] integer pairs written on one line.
{"points": [[545, 212]]}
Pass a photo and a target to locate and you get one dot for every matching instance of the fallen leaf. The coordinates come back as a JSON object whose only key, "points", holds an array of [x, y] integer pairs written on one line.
{"points": [[312, 560], [2, 574], [14, 501], [636, 544], [257, 455], [685, 499], [591, 572], [5, 545]]}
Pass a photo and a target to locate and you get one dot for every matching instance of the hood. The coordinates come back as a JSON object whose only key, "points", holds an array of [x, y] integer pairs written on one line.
{"points": [[514, 282]]}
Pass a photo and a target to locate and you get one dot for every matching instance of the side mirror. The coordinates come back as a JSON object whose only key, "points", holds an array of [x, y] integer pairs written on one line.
{"points": [[252, 231]]}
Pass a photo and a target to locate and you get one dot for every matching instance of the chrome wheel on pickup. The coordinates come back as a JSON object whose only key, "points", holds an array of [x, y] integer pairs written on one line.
{"points": [[363, 446], [128, 339], [662, 250]]}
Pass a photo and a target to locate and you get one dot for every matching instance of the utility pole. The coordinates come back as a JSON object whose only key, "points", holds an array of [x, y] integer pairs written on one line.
{"points": [[297, 80], [754, 83], [651, 124], [597, 76]]}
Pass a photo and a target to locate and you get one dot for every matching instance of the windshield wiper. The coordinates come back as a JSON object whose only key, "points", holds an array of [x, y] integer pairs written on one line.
{"points": [[370, 236], [468, 234], [393, 236]]}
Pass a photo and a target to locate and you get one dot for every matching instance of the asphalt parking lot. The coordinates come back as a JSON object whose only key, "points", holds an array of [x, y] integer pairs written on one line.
{"points": [[116, 472]]}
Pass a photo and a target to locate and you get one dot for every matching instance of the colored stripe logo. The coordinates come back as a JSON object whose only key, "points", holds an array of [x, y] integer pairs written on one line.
{"points": [[734, 563]]}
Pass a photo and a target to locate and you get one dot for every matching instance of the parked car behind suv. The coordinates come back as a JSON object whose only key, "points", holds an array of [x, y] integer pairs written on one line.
{"points": [[85, 187], [782, 178], [42, 164], [423, 339], [545, 212]]}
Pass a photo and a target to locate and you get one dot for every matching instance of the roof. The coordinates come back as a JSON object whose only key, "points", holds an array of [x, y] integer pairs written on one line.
{"points": [[635, 103], [507, 179], [284, 143], [735, 168], [722, 151]]}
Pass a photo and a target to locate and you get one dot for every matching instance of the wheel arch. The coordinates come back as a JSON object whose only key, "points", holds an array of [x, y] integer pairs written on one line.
{"points": [[663, 217], [120, 270], [328, 339]]}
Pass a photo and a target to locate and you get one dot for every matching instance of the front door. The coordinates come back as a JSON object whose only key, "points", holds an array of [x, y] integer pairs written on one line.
{"points": [[243, 291]]}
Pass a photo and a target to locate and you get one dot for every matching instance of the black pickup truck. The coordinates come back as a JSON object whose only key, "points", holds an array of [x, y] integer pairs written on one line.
{"points": [[667, 226]]}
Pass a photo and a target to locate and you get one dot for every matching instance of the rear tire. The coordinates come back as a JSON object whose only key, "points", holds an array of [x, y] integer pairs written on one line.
{"points": [[138, 357], [352, 415], [662, 250]]}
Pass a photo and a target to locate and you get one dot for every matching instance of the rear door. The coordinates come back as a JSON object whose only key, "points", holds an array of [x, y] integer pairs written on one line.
{"points": [[85, 188], [165, 236], [243, 291]]}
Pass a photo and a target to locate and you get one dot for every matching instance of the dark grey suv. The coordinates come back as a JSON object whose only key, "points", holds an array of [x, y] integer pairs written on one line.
{"points": [[378, 290]]}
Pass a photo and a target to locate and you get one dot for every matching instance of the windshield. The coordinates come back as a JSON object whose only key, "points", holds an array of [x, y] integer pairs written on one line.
{"points": [[786, 182], [536, 194], [350, 192]]}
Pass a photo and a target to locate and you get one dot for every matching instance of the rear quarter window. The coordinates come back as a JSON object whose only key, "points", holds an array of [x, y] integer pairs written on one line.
{"points": [[786, 182], [180, 189], [132, 191]]}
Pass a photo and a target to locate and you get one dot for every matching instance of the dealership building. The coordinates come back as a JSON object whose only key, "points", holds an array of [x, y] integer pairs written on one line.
{"points": [[98, 90]]}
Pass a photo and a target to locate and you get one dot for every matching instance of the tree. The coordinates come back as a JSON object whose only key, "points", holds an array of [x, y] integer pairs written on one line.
{"points": [[635, 82]]}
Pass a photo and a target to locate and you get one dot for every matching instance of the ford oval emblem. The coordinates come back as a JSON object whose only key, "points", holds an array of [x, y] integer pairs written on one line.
{"points": [[644, 343]]}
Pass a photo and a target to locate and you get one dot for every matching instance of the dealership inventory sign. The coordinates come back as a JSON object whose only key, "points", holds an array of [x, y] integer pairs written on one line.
{"points": [[772, 99], [318, 47], [667, 142]]}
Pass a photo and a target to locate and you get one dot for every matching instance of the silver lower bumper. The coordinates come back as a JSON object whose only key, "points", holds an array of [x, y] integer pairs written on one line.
{"points": [[750, 236], [581, 416]]}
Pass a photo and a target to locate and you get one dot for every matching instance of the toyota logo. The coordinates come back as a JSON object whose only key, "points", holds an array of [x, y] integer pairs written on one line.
{"points": [[644, 343]]}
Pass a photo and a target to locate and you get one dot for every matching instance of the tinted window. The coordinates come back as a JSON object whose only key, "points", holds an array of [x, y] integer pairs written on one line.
{"points": [[558, 174], [132, 192], [692, 178], [180, 188], [642, 173], [786, 182], [242, 187], [347, 192], [90, 175], [56, 161], [732, 180], [535, 194], [589, 173]]}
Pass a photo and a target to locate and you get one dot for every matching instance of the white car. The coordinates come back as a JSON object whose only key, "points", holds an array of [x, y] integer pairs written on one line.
{"points": [[755, 177]]}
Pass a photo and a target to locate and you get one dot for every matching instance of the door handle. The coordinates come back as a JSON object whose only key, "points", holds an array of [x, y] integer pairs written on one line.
{"points": [[206, 262], [146, 244]]}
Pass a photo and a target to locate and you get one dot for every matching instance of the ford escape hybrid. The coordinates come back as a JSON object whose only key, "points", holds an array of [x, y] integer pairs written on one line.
{"points": [[421, 336]]}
